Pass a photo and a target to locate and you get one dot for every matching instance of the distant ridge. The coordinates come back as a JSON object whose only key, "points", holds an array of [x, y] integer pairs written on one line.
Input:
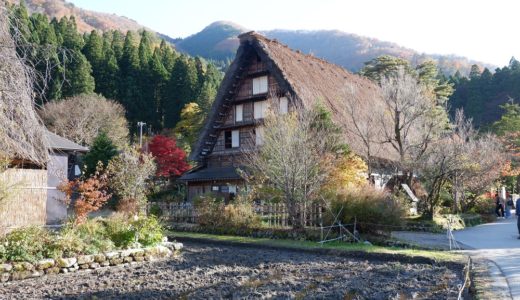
{"points": [[218, 41]]}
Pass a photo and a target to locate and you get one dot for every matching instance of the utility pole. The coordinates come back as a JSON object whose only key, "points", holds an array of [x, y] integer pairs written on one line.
{"points": [[141, 124]]}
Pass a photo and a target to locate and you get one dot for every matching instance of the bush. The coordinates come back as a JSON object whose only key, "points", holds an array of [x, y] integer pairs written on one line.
{"points": [[139, 231], [367, 206], [93, 236], [213, 212], [26, 244]]}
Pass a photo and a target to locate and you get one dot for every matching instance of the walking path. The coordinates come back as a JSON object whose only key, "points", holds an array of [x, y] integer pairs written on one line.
{"points": [[499, 243]]}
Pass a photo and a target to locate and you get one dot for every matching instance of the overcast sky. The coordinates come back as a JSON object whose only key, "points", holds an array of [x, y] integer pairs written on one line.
{"points": [[483, 30]]}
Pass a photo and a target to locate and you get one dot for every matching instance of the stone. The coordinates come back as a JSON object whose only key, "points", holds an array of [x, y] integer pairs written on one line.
{"points": [[116, 261], [85, 259], [173, 245], [4, 277], [132, 252], [367, 243], [36, 274], [158, 251], [6, 267], [64, 270], [66, 262], [110, 255], [139, 258], [72, 269], [53, 270], [99, 258], [19, 275], [105, 264], [84, 266], [94, 265], [128, 259], [45, 264]]}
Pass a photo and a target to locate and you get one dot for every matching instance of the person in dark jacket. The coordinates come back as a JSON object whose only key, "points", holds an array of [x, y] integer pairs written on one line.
{"points": [[517, 213]]}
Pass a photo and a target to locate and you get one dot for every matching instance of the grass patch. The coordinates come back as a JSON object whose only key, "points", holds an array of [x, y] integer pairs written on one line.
{"points": [[443, 256]]}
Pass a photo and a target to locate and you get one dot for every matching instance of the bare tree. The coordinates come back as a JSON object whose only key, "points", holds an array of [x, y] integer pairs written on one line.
{"points": [[363, 123], [463, 158], [295, 158], [410, 120], [81, 118]]}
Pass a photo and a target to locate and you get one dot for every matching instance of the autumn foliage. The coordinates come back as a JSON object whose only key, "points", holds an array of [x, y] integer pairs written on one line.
{"points": [[170, 159], [90, 194]]}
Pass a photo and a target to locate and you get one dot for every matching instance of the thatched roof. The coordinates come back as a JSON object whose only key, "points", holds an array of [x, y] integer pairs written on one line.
{"points": [[308, 79]]}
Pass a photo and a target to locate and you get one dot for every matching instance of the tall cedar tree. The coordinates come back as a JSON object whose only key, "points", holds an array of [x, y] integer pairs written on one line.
{"points": [[170, 159]]}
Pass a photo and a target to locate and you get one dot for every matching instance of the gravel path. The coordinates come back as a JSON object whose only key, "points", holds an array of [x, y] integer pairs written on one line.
{"points": [[214, 271]]}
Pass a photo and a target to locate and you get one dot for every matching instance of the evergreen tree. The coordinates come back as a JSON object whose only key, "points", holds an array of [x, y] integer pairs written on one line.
{"points": [[93, 51], [102, 150], [182, 90]]}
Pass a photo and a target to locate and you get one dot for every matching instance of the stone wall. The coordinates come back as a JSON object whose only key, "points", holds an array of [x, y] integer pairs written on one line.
{"points": [[22, 270]]}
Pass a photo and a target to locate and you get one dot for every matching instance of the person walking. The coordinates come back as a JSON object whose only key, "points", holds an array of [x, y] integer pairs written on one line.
{"points": [[509, 205], [499, 208], [517, 213]]}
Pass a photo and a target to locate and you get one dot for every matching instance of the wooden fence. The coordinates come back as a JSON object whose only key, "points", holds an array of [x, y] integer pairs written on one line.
{"points": [[25, 199], [272, 215]]}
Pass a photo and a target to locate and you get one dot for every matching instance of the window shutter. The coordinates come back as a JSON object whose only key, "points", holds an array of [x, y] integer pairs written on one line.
{"points": [[260, 85], [235, 138], [259, 135], [260, 109], [284, 106], [239, 113]]}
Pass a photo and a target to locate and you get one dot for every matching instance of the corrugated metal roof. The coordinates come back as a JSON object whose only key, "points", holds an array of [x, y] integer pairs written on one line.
{"points": [[57, 142]]}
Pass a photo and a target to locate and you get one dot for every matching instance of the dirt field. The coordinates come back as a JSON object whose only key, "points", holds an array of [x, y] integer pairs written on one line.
{"points": [[216, 271]]}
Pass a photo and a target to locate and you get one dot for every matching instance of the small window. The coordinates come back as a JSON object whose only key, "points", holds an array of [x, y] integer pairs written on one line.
{"points": [[235, 138], [239, 113], [215, 188], [227, 139], [259, 136], [260, 109], [284, 106], [260, 85]]}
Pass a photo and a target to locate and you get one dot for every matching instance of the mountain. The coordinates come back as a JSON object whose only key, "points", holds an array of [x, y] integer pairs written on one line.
{"points": [[86, 20], [219, 41]]}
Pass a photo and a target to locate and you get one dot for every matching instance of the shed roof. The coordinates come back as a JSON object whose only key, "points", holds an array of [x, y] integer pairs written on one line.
{"points": [[209, 173], [57, 142]]}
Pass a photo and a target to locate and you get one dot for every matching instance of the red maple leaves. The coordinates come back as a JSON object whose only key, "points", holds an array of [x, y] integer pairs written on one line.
{"points": [[170, 159]]}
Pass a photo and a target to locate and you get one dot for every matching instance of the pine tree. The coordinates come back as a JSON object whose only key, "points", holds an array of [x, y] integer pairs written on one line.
{"points": [[93, 51]]}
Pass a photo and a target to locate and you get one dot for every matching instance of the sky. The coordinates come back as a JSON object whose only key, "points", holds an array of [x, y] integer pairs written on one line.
{"points": [[481, 30]]}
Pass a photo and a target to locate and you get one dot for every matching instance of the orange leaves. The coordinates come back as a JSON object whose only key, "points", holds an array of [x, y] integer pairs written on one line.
{"points": [[88, 195]]}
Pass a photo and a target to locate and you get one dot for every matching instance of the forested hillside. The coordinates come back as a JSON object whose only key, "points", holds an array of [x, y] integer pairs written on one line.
{"points": [[219, 41], [86, 20], [147, 76], [482, 93]]}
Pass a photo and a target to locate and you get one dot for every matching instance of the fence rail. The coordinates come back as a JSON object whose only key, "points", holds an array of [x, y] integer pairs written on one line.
{"points": [[271, 214]]}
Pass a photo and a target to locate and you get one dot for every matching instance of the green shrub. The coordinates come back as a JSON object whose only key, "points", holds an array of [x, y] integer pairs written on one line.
{"points": [[213, 212], [139, 231], [148, 230], [119, 231], [367, 206], [155, 210], [26, 244]]}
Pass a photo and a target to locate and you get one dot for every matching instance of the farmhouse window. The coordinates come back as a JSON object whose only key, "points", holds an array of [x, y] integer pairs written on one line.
{"points": [[259, 136], [227, 139], [284, 106], [260, 109], [239, 113], [260, 85], [235, 138]]}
